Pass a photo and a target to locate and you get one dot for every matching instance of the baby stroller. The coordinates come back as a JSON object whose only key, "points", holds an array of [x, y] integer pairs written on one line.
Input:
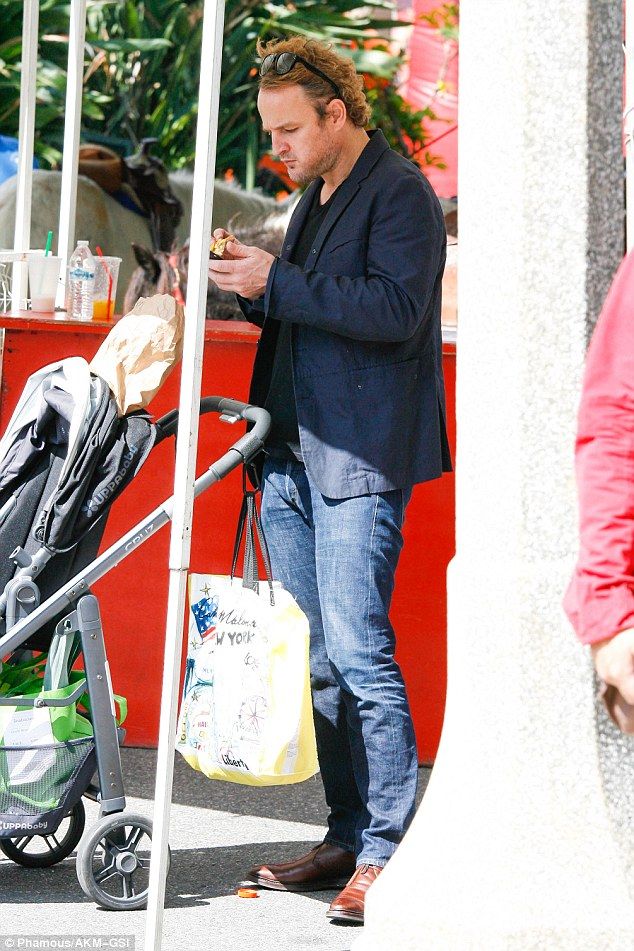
{"points": [[64, 458]]}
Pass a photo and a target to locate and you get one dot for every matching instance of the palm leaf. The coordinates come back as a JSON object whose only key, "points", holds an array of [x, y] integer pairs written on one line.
{"points": [[142, 71]]}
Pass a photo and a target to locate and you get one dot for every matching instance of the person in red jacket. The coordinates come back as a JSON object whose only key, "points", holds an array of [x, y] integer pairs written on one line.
{"points": [[600, 597]]}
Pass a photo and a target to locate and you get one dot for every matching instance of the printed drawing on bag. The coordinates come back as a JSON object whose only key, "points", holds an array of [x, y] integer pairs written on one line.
{"points": [[229, 758], [205, 613], [252, 715], [199, 722], [251, 662]]}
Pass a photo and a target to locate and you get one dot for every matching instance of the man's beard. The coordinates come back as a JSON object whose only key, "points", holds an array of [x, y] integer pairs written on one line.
{"points": [[323, 164]]}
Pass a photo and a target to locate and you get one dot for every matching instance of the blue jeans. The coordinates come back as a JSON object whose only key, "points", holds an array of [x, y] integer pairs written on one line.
{"points": [[337, 557]]}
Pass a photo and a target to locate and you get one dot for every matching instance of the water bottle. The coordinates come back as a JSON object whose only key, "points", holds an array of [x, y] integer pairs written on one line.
{"points": [[81, 283]]}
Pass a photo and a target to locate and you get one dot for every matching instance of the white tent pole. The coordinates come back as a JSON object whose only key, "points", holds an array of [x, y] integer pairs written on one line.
{"points": [[22, 232], [187, 439], [629, 123], [72, 131]]}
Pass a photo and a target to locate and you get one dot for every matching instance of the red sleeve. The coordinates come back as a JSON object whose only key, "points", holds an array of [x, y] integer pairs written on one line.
{"points": [[600, 597]]}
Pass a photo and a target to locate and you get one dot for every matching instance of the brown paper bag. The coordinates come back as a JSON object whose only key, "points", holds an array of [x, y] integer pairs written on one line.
{"points": [[140, 351]]}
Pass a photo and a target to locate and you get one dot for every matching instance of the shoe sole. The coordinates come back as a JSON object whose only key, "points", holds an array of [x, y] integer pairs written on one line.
{"points": [[312, 887], [347, 917]]}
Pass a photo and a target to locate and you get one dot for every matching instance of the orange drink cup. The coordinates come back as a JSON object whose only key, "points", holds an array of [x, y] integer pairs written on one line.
{"points": [[106, 276], [102, 310]]}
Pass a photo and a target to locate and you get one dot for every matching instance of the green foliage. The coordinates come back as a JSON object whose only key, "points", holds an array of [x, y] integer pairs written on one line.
{"points": [[141, 69], [444, 18]]}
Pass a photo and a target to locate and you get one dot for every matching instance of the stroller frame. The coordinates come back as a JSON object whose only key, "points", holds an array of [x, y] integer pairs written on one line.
{"points": [[84, 619]]}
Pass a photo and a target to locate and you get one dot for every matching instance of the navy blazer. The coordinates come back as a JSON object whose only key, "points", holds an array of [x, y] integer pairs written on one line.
{"points": [[366, 338]]}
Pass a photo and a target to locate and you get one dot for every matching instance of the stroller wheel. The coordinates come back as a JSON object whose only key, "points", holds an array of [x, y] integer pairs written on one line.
{"points": [[42, 851], [113, 862]]}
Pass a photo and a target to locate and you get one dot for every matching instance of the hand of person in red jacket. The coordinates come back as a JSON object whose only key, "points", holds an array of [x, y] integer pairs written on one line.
{"points": [[614, 661], [600, 597]]}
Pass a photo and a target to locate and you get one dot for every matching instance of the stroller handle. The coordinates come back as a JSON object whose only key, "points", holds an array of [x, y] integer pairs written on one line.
{"points": [[248, 446], [242, 451]]}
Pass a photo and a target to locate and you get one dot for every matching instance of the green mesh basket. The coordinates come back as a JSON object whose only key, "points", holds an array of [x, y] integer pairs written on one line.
{"points": [[38, 780]]}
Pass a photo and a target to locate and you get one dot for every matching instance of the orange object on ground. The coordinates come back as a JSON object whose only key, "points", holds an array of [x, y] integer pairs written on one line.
{"points": [[247, 893]]}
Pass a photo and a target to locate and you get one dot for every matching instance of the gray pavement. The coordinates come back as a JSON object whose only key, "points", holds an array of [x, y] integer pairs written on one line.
{"points": [[217, 831]]}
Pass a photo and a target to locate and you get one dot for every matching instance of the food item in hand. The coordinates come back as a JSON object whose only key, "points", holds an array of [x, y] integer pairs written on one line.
{"points": [[218, 245]]}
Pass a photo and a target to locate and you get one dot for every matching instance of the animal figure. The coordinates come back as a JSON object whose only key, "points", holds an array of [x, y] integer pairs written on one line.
{"points": [[162, 273], [102, 220]]}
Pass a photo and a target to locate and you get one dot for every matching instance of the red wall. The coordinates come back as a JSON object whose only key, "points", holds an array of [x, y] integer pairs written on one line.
{"points": [[133, 596]]}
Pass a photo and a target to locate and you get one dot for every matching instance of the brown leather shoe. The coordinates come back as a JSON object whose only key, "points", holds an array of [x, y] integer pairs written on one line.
{"points": [[350, 903], [325, 866]]}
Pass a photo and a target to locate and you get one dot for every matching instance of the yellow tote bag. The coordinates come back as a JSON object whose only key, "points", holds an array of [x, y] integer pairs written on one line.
{"points": [[246, 714]]}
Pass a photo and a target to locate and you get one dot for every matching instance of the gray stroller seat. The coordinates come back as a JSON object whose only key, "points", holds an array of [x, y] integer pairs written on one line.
{"points": [[64, 459]]}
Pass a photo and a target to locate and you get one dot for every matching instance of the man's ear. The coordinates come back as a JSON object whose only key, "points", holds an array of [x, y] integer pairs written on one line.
{"points": [[338, 112]]}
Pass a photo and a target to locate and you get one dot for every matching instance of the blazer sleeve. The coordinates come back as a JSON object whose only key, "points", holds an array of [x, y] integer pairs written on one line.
{"points": [[253, 310], [600, 598], [406, 248]]}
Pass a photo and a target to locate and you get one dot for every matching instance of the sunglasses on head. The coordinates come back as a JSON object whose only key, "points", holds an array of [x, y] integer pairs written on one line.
{"points": [[282, 63]]}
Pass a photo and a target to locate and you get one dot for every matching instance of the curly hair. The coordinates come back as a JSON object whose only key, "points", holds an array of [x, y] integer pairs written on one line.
{"points": [[339, 68]]}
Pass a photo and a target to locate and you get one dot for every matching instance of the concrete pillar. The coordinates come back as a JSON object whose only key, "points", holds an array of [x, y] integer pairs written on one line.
{"points": [[523, 840]]}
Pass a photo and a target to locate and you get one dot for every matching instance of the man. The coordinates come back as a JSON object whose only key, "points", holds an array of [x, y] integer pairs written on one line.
{"points": [[600, 597], [349, 365]]}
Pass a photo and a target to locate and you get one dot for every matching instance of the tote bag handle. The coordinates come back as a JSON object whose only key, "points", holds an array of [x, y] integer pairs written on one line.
{"points": [[250, 526]]}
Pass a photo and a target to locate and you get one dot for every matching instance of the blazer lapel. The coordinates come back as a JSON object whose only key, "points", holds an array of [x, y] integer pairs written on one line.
{"points": [[347, 191], [298, 218]]}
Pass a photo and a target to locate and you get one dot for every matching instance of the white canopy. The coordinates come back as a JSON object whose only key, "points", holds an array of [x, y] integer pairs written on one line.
{"points": [[187, 439]]}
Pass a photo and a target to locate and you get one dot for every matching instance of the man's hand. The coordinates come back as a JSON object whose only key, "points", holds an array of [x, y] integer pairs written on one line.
{"points": [[614, 661], [221, 233], [243, 269]]}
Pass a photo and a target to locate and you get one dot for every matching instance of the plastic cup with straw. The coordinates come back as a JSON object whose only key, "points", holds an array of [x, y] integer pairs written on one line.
{"points": [[44, 278], [109, 273]]}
